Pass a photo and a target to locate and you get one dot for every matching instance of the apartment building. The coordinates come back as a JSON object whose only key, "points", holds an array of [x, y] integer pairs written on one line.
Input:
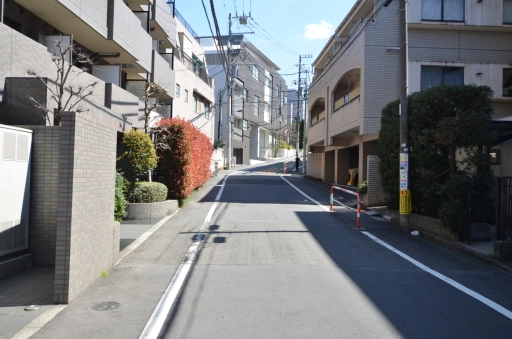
{"points": [[356, 74], [194, 96], [69, 222], [122, 37], [259, 104]]}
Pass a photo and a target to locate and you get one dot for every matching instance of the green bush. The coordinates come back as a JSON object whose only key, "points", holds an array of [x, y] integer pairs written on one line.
{"points": [[146, 192], [363, 188], [120, 200]]}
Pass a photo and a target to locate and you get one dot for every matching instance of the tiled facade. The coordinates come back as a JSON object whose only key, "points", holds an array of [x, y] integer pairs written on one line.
{"points": [[357, 74], [44, 187], [85, 204]]}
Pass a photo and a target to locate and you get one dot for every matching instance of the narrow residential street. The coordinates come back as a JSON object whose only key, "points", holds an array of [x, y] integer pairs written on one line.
{"points": [[272, 263]]}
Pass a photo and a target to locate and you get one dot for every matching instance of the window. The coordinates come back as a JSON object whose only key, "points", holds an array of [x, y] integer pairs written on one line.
{"points": [[186, 96], [507, 11], [207, 110], [246, 94], [256, 105], [255, 72], [507, 82], [196, 104], [437, 75], [442, 10], [177, 90]]}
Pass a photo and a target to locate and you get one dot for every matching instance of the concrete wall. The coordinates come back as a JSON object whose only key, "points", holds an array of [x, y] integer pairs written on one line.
{"points": [[314, 165], [85, 204]]}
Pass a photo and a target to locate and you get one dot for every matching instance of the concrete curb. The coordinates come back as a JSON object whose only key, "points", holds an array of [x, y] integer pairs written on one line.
{"points": [[461, 248]]}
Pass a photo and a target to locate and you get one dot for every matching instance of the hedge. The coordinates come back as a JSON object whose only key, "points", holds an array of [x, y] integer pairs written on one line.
{"points": [[185, 156]]}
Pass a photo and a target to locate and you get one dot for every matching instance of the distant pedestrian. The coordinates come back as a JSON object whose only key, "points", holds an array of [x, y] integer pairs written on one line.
{"points": [[297, 163]]}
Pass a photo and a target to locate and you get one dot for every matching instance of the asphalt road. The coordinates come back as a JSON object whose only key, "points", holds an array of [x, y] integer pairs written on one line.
{"points": [[272, 263]]}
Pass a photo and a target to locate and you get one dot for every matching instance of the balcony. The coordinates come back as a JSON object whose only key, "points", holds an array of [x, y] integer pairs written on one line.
{"points": [[117, 34], [237, 134], [187, 61], [347, 98], [317, 132], [163, 23], [163, 76]]}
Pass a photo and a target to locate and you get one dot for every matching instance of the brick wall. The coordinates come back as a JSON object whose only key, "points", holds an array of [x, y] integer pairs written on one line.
{"points": [[43, 197], [375, 195], [85, 214]]}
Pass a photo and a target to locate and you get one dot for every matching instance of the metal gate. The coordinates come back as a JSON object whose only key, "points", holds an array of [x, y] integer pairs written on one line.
{"points": [[504, 208]]}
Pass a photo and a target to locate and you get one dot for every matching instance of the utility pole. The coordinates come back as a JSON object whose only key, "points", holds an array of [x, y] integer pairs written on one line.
{"points": [[405, 193], [229, 149], [298, 106], [299, 92], [219, 129], [304, 137]]}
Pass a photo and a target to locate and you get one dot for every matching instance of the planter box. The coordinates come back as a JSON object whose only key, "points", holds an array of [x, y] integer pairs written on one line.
{"points": [[140, 211]]}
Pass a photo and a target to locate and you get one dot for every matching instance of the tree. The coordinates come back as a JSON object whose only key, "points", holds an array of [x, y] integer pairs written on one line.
{"points": [[64, 95], [453, 117], [150, 103], [448, 134], [140, 154]]}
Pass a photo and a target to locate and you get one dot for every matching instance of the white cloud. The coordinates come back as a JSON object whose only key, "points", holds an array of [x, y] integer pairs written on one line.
{"points": [[323, 30]]}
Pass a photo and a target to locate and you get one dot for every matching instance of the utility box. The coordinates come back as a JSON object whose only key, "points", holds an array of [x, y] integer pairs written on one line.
{"points": [[15, 147]]}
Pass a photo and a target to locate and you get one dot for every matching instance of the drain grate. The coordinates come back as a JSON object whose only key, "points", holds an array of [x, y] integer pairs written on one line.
{"points": [[106, 306]]}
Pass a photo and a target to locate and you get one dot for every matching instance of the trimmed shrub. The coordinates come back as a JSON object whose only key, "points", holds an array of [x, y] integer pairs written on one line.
{"points": [[120, 200], [185, 155], [140, 153], [147, 192]]}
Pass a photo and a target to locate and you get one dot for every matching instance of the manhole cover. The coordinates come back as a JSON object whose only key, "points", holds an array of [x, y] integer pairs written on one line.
{"points": [[32, 308], [106, 306]]}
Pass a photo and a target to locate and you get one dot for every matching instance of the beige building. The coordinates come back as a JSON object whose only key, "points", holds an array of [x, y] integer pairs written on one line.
{"points": [[356, 74]]}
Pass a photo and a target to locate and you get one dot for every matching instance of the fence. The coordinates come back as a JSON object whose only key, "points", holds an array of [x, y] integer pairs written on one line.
{"points": [[504, 208], [358, 210]]}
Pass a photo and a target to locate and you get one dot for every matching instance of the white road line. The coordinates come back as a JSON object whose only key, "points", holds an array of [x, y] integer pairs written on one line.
{"points": [[157, 319], [444, 278], [304, 194], [460, 287]]}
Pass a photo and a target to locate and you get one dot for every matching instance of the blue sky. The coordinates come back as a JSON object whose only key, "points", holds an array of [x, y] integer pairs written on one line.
{"points": [[284, 29]]}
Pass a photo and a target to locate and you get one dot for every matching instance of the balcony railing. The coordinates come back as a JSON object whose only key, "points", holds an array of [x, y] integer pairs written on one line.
{"points": [[316, 118], [198, 70], [347, 98], [185, 23]]}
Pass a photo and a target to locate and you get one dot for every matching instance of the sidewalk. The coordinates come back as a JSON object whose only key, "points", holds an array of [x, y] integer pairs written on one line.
{"points": [[482, 250]]}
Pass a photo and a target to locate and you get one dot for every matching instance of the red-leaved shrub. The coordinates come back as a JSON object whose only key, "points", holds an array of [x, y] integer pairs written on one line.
{"points": [[184, 154]]}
